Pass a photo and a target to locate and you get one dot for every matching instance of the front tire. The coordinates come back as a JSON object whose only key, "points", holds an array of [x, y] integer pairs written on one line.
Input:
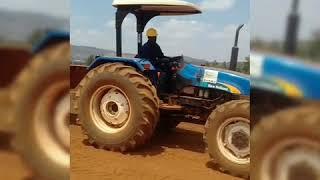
{"points": [[41, 99], [286, 145], [119, 107], [227, 135]]}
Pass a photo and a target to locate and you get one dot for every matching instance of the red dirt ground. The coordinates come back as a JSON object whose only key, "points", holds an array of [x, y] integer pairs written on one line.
{"points": [[11, 166], [179, 155]]}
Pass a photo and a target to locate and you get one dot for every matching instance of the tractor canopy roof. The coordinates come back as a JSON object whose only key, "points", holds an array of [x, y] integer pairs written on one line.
{"points": [[162, 7], [145, 10]]}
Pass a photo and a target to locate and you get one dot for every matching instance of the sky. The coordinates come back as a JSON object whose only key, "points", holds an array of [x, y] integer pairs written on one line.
{"points": [[209, 35], [57, 8], [269, 18]]}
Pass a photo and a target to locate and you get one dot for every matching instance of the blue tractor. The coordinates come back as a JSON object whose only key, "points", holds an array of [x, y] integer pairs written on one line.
{"points": [[285, 118], [34, 104], [121, 101]]}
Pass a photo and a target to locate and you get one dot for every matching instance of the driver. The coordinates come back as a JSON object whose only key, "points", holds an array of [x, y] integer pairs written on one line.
{"points": [[151, 50]]}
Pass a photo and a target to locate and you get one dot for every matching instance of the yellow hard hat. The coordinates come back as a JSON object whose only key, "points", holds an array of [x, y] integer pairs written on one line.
{"points": [[152, 32]]}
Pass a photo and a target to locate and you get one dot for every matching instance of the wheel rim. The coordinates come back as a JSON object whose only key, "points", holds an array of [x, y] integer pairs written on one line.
{"points": [[51, 123], [110, 109], [234, 140], [61, 120], [292, 159]]}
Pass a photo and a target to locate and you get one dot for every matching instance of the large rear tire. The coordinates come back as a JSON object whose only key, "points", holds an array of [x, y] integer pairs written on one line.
{"points": [[227, 135], [41, 112], [286, 145], [119, 108]]}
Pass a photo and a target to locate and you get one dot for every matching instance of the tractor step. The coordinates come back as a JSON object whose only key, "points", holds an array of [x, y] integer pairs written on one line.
{"points": [[169, 107], [6, 122]]}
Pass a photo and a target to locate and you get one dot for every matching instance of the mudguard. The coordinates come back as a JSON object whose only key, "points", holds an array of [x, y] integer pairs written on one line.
{"points": [[51, 38], [286, 76], [137, 63], [214, 78], [191, 75]]}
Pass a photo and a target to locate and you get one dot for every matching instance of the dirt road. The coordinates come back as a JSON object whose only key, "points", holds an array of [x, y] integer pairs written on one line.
{"points": [[174, 156], [11, 166], [178, 155]]}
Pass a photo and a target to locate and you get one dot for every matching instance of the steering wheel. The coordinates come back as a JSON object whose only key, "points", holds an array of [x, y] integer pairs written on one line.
{"points": [[170, 63]]}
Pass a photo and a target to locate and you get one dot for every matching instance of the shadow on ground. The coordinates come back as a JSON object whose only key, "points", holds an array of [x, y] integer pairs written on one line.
{"points": [[5, 140], [177, 138]]}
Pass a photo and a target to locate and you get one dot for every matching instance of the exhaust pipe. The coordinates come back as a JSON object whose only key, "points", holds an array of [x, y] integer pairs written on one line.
{"points": [[290, 46], [235, 51]]}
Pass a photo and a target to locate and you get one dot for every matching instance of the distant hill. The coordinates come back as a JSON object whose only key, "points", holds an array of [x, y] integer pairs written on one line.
{"points": [[81, 53], [19, 26]]}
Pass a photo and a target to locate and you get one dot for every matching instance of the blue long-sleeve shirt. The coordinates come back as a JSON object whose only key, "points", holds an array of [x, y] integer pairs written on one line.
{"points": [[151, 51]]}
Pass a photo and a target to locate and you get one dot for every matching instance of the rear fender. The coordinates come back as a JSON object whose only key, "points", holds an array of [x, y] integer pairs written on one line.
{"points": [[138, 64], [50, 39]]}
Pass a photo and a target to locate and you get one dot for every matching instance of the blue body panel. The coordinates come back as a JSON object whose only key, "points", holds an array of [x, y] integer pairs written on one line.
{"points": [[240, 82], [134, 62], [301, 77], [225, 79], [191, 74], [50, 37]]}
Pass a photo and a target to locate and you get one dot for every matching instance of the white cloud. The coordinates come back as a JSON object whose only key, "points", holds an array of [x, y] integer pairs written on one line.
{"points": [[271, 25], [110, 24], [59, 8], [201, 40], [176, 36], [227, 32], [223, 41], [91, 37], [217, 5], [92, 32], [181, 29]]}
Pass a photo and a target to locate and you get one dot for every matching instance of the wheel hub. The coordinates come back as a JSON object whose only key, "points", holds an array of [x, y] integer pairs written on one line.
{"points": [[234, 140], [292, 159], [114, 108], [237, 139]]}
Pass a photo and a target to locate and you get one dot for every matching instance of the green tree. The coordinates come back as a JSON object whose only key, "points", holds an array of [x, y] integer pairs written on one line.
{"points": [[215, 63], [90, 59], [36, 36], [224, 65], [2, 39], [246, 65], [314, 48], [310, 49]]}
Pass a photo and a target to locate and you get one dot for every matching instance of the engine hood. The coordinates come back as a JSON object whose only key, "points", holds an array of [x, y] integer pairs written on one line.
{"points": [[214, 78]]}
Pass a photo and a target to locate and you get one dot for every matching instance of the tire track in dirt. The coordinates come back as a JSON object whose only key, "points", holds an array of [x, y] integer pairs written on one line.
{"points": [[178, 155], [11, 165]]}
